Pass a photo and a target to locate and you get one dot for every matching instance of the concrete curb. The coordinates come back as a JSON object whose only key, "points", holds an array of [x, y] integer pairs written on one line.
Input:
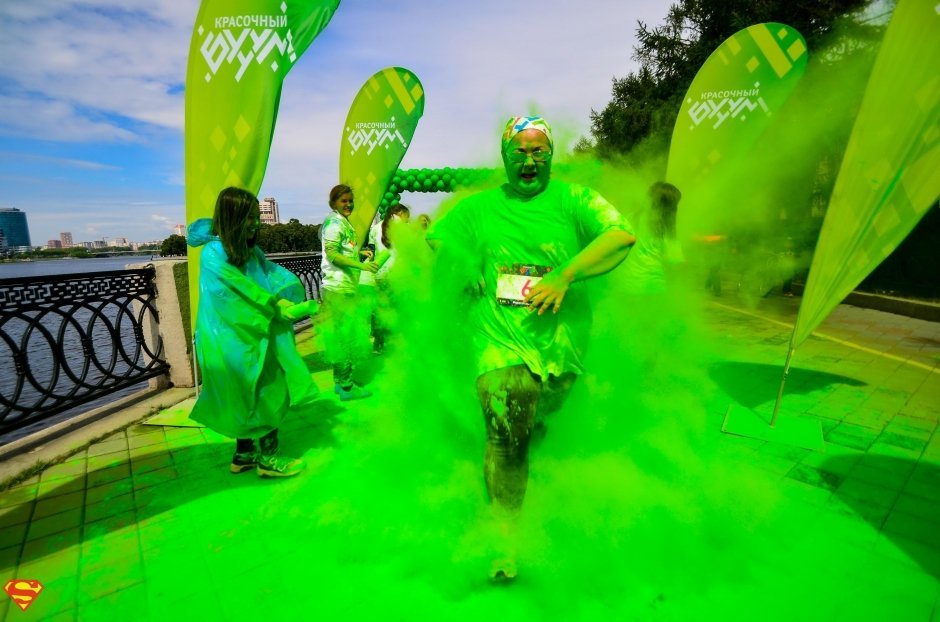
{"points": [[918, 309], [57, 442]]}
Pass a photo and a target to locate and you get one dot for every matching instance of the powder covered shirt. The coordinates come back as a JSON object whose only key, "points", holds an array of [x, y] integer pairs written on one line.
{"points": [[497, 232], [337, 231]]}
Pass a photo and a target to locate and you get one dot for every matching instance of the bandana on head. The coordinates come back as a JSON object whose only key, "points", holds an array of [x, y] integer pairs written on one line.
{"points": [[518, 124]]}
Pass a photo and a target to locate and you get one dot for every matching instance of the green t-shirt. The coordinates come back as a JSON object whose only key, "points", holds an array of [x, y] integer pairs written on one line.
{"points": [[338, 232], [497, 230]]}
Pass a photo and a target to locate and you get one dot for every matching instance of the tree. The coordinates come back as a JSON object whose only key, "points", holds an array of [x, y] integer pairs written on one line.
{"points": [[173, 245], [290, 237], [645, 103]]}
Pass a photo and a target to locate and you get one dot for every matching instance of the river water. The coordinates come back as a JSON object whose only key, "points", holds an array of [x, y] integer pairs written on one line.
{"points": [[48, 267], [40, 362]]}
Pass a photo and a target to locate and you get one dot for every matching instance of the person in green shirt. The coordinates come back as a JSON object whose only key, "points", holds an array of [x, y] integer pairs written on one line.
{"points": [[344, 329], [525, 247]]}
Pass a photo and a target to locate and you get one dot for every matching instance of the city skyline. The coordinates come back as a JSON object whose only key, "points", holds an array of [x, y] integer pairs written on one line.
{"points": [[92, 91], [65, 239]]}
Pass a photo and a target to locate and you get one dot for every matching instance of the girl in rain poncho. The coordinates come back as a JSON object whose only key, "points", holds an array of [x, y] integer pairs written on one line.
{"points": [[250, 367]]}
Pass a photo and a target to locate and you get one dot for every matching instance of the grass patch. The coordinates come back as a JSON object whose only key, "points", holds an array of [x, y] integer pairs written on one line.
{"points": [[181, 277]]}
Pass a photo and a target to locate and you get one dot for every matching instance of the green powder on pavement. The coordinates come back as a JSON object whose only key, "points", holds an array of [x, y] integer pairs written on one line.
{"points": [[636, 506]]}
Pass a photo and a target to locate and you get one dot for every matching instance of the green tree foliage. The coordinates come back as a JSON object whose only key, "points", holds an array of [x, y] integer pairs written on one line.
{"points": [[645, 103], [173, 245], [290, 237]]}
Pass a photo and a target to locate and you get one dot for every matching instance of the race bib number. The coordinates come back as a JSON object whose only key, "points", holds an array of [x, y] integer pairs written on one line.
{"points": [[516, 281]]}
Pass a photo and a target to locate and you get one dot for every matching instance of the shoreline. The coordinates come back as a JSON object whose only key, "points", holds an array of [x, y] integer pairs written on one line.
{"points": [[96, 256]]}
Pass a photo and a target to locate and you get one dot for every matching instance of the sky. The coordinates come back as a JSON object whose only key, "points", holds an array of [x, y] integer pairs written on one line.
{"points": [[92, 92]]}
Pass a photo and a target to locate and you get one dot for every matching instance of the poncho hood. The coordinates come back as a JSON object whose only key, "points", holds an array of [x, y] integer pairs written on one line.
{"points": [[200, 232]]}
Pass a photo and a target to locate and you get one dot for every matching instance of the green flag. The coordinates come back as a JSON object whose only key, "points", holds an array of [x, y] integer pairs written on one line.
{"points": [[888, 179], [241, 51], [729, 105], [378, 130]]}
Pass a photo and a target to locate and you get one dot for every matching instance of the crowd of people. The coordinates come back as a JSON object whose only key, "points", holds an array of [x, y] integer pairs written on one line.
{"points": [[522, 252]]}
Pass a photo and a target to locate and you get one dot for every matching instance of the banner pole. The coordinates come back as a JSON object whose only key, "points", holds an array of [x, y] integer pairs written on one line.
{"points": [[783, 381]]}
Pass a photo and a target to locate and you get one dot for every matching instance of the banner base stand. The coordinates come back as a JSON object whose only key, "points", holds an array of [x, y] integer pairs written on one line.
{"points": [[176, 416], [802, 432]]}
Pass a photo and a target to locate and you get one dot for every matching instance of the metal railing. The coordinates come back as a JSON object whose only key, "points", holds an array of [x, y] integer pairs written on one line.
{"points": [[70, 339], [307, 269]]}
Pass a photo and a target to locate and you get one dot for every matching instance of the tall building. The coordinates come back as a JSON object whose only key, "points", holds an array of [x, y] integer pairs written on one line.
{"points": [[180, 230], [269, 215], [54, 244], [14, 226], [66, 238]]}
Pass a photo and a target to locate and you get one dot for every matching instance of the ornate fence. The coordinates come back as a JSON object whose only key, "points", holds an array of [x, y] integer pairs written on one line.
{"points": [[307, 269], [67, 340]]}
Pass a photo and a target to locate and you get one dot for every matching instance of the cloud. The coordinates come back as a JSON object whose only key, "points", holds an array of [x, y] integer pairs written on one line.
{"points": [[68, 162], [81, 63], [479, 64], [102, 81], [36, 117]]}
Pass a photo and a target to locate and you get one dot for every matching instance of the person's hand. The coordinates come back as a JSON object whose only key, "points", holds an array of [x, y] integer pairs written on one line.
{"points": [[548, 293], [369, 266], [283, 309], [366, 254]]}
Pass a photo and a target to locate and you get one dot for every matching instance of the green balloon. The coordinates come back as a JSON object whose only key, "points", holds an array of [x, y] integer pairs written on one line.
{"points": [[440, 184]]}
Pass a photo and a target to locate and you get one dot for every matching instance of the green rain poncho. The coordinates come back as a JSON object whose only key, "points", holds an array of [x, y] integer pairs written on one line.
{"points": [[495, 230], [251, 370]]}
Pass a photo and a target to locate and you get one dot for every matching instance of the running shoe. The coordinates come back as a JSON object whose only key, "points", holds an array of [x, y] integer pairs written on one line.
{"points": [[275, 466], [354, 393], [245, 461]]}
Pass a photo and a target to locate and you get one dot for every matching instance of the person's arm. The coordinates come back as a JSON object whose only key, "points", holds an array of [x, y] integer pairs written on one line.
{"points": [[602, 255], [337, 259], [382, 257]]}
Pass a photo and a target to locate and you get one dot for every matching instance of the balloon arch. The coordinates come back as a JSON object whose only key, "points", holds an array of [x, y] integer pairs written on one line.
{"points": [[432, 180]]}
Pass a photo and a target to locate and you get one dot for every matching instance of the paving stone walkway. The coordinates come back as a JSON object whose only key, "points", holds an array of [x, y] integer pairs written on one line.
{"points": [[149, 524]]}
